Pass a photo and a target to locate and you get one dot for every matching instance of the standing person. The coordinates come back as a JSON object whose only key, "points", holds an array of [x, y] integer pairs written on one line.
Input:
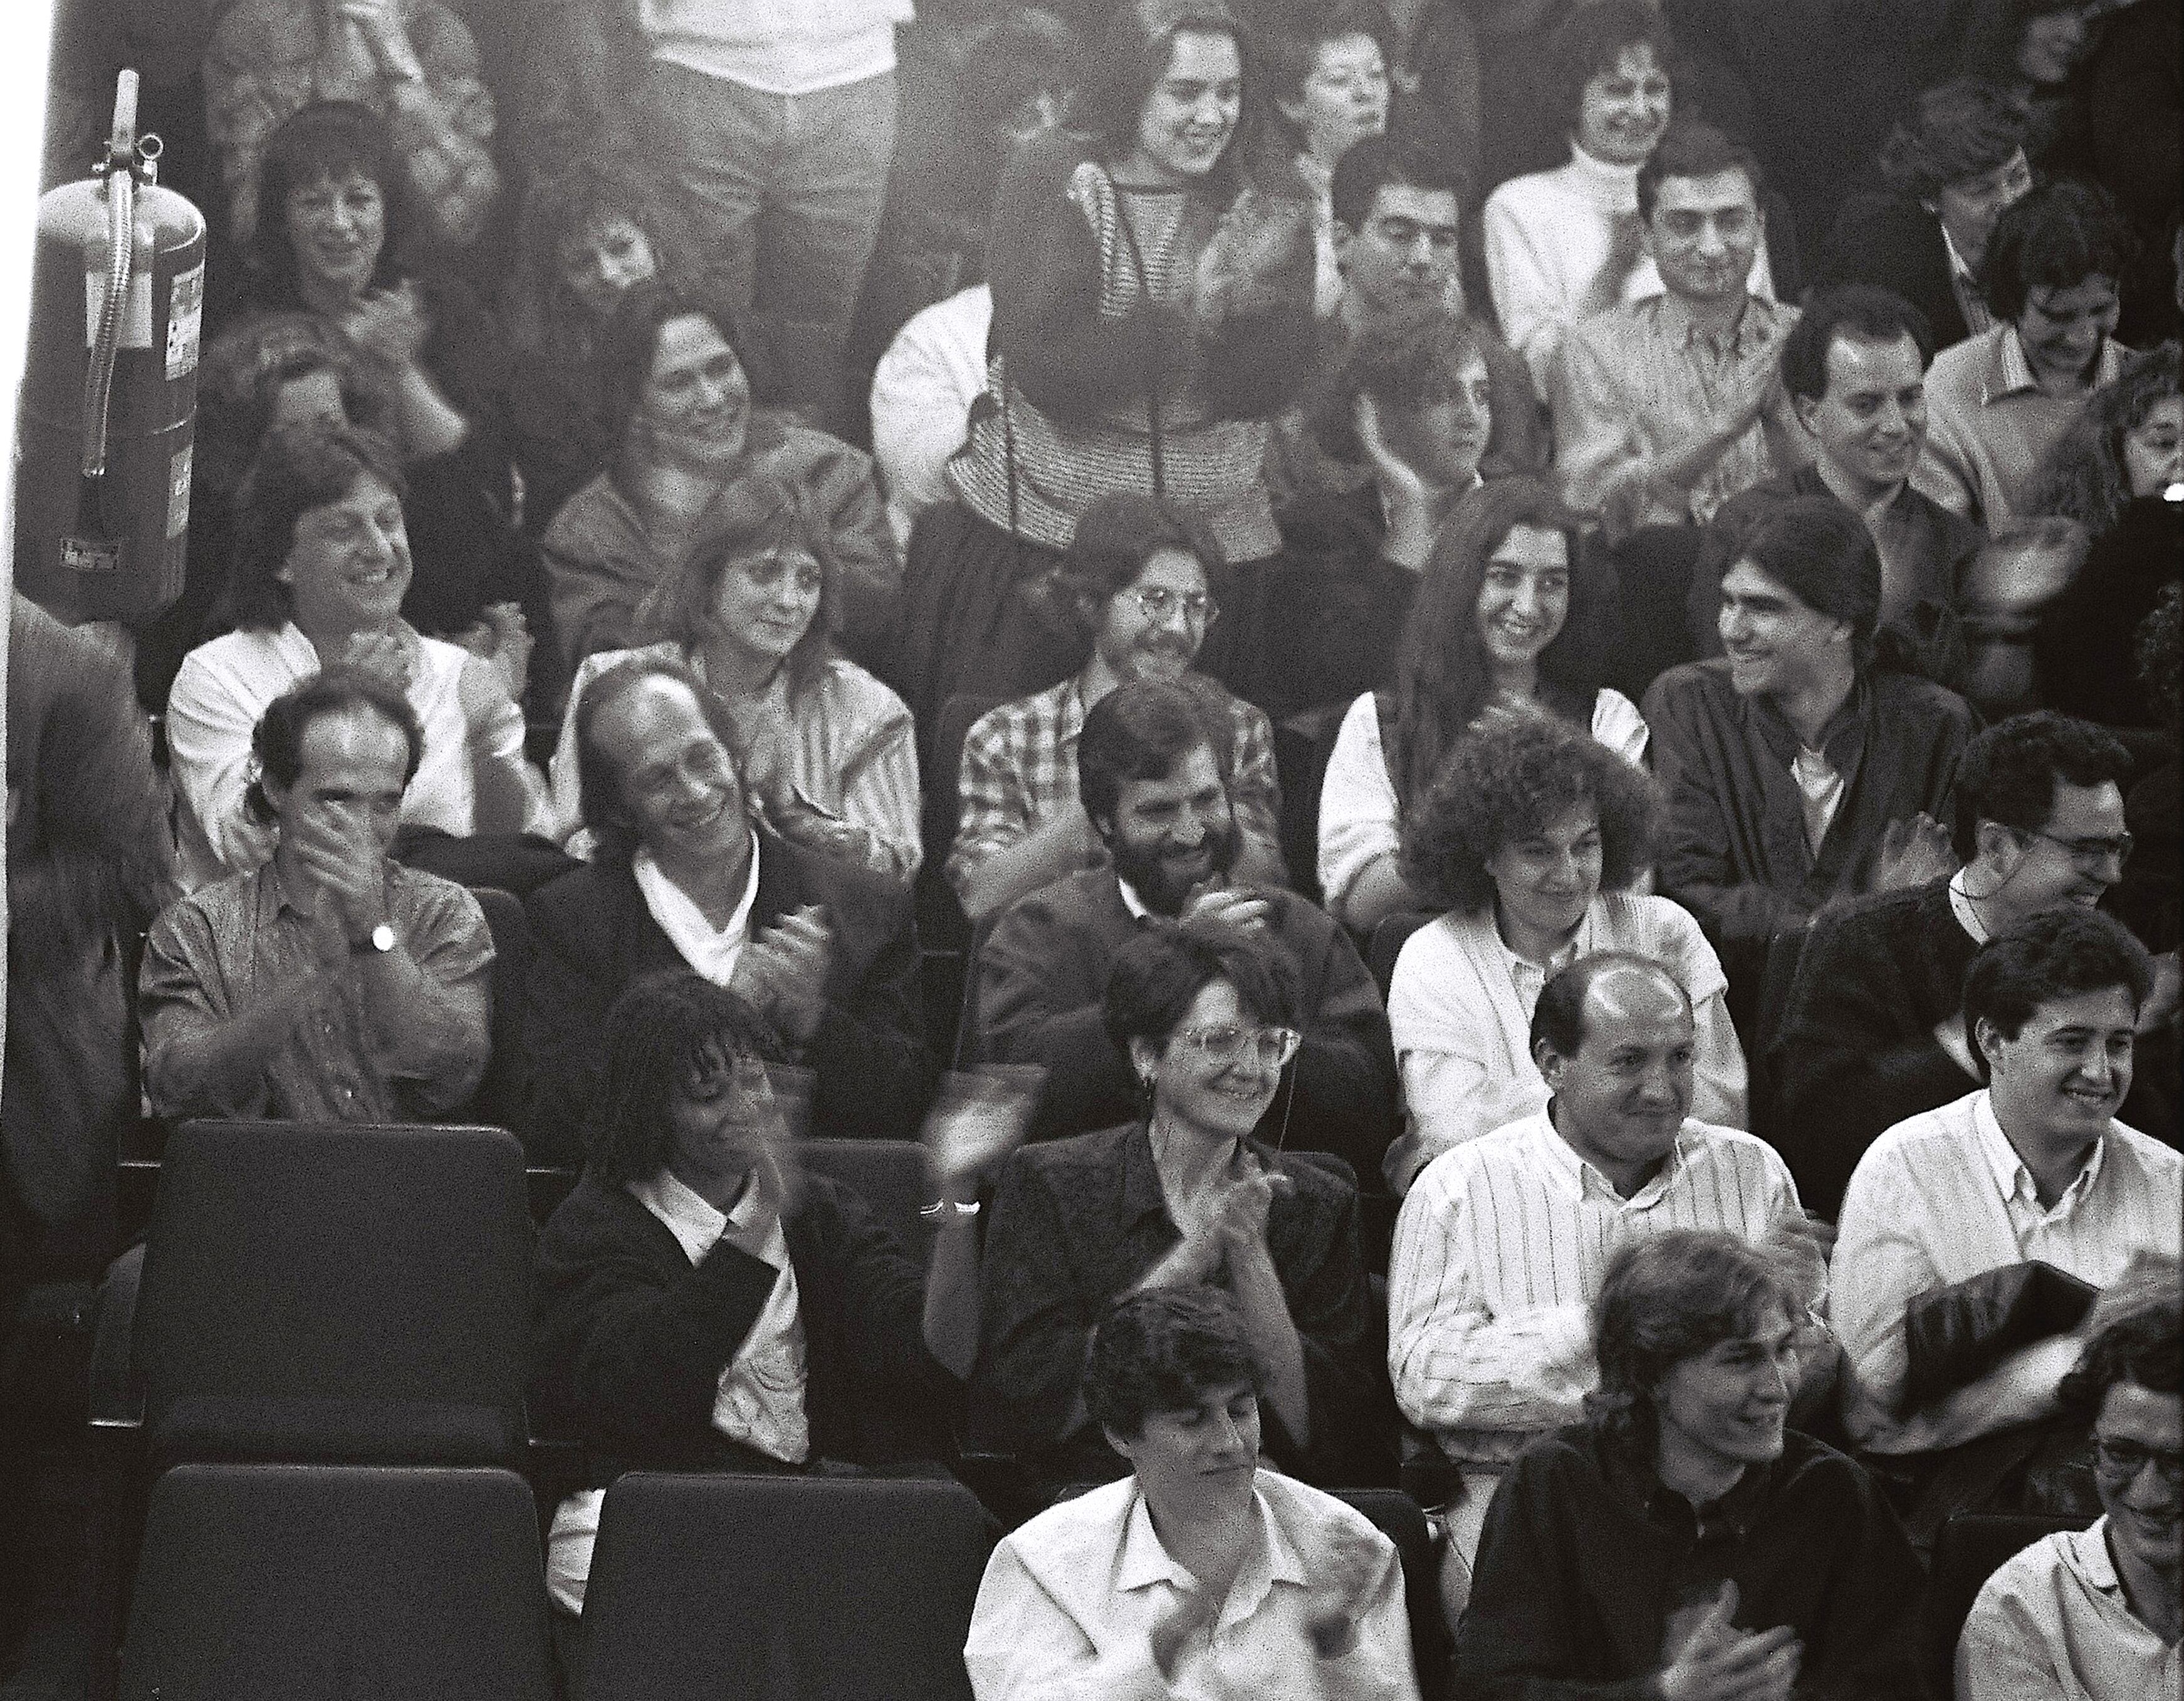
{"points": [[1152, 310], [1329, 72]]}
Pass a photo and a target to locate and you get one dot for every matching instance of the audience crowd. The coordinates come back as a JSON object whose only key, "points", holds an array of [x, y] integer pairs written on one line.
{"points": [[1472, 702]]}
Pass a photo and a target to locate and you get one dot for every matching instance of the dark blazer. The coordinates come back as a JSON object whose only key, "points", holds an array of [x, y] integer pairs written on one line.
{"points": [[628, 1337], [1894, 243], [591, 936]]}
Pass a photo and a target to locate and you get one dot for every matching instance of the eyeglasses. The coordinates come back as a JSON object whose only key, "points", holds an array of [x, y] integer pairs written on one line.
{"points": [[1158, 602], [2083, 852], [2121, 1461], [1222, 1046]]}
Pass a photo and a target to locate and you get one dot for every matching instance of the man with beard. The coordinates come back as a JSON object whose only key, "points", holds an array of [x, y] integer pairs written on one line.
{"points": [[1152, 789], [1136, 580]]}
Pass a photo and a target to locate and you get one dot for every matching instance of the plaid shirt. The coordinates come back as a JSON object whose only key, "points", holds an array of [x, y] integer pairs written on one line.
{"points": [[1019, 770]]}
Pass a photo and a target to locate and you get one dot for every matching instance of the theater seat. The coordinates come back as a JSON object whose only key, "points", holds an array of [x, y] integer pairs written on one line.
{"points": [[275, 1583], [886, 1174], [828, 1589], [1399, 1518], [1970, 1549]]}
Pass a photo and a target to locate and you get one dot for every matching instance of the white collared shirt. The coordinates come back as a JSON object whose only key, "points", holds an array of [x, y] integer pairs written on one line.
{"points": [[1960, 906], [1069, 1601], [1500, 1251], [712, 951], [1943, 1197], [1819, 792], [1131, 900], [2053, 1624]]}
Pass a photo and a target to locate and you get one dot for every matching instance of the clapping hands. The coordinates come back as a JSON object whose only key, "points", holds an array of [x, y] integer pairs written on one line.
{"points": [[1707, 1658]]}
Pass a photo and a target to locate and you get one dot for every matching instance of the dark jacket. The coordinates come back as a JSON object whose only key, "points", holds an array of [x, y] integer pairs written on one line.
{"points": [[591, 936], [2087, 641], [628, 1337], [1894, 243]]}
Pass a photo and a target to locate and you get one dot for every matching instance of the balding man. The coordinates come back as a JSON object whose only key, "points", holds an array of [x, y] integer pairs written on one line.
{"points": [[1503, 1241]]}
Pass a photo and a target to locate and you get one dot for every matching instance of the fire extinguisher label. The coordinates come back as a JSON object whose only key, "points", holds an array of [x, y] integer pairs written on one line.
{"points": [[185, 317], [178, 493], [135, 310], [91, 554]]}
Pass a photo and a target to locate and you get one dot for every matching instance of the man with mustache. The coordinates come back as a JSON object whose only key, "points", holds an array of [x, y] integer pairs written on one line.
{"points": [[1152, 788]]}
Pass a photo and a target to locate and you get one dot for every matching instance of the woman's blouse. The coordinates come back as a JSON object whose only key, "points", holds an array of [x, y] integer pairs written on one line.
{"points": [[852, 753], [223, 689], [1360, 818], [1460, 1009]]}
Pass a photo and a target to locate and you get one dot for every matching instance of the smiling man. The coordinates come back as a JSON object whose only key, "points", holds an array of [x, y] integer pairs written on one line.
{"points": [[1958, 1220]]}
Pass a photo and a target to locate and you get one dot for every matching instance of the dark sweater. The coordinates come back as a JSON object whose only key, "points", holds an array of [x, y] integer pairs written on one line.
{"points": [[1894, 243], [628, 1337], [1587, 1554]]}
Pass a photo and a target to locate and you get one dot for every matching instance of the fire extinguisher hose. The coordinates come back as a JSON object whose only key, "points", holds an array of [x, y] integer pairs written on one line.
{"points": [[121, 234]]}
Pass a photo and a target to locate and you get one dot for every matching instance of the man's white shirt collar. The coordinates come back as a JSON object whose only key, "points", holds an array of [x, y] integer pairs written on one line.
{"points": [[712, 951], [2013, 1176]]}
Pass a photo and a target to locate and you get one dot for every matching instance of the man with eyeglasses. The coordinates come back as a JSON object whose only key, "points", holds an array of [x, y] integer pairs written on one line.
{"points": [[1136, 583], [1154, 793], [1975, 1236], [2097, 1615], [1504, 1241], [1874, 1029]]}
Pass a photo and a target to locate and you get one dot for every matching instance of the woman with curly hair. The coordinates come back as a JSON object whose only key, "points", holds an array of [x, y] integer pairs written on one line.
{"points": [[1530, 840], [1511, 613]]}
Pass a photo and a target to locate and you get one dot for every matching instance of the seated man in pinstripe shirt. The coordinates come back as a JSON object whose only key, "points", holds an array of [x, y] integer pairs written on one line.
{"points": [[1503, 1241]]}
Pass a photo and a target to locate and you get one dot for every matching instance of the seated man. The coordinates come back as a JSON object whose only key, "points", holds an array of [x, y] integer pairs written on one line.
{"points": [[332, 984], [1975, 1235], [1998, 401], [1666, 408], [1875, 1029], [2098, 1613], [1682, 1541], [1794, 772], [1200, 1573], [1138, 579], [1206, 1011], [1855, 367], [1501, 1243], [686, 878], [1152, 788]]}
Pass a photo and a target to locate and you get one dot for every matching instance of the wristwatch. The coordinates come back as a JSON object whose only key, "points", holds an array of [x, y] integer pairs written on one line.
{"points": [[381, 938]]}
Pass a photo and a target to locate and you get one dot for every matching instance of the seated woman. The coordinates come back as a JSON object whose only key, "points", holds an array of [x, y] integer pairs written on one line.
{"points": [[1682, 1542], [331, 243], [703, 1304], [1532, 837], [678, 391], [1200, 1573], [1204, 1010], [322, 569], [828, 751], [1513, 613]]}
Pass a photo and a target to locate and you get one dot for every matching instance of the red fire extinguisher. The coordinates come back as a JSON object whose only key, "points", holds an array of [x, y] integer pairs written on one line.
{"points": [[109, 387]]}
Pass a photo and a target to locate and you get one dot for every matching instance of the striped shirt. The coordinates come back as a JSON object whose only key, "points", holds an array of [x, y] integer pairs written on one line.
{"points": [[1501, 1250], [1943, 1197]]}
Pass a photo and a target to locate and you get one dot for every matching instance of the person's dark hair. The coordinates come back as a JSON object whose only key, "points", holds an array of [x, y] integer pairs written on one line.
{"points": [[1559, 1018], [2057, 954], [599, 787], [1667, 1298], [2137, 1337], [1373, 163], [1505, 780], [276, 742], [1116, 535], [1126, 63], [1592, 40], [2160, 653], [1139, 731], [632, 344], [328, 139], [240, 382], [544, 316], [1164, 1349], [1692, 149], [1995, 31], [2010, 772], [1962, 129], [2082, 476], [1164, 965], [664, 1033], [297, 470], [755, 515], [1290, 50], [1442, 681], [1853, 311], [1822, 553], [1404, 362], [2056, 237]]}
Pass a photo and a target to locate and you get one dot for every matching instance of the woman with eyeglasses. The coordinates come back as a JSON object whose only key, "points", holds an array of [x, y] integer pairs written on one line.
{"points": [[829, 752], [1207, 1011]]}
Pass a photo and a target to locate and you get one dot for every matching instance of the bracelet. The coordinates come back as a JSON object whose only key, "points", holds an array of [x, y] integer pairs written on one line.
{"points": [[939, 1208]]}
